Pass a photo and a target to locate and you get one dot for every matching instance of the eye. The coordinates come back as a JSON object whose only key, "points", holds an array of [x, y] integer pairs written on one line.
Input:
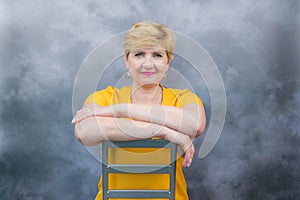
{"points": [[157, 55], [139, 54]]}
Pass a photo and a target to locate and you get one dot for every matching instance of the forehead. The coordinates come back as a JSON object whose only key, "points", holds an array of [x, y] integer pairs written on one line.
{"points": [[149, 49]]}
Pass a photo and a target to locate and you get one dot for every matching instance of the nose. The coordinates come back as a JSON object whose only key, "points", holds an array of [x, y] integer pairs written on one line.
{"points": [[148, 65], [148, 62]]}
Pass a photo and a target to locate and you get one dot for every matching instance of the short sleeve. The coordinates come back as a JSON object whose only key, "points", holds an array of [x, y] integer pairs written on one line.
{"points": [[187, 97], [101, 97]]}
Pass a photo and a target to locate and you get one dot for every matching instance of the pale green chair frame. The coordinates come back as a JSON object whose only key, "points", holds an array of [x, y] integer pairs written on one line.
{"points": [[144, 169]]}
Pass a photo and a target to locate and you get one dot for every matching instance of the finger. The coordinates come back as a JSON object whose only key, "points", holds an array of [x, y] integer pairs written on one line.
{"points": [[82, 114], [76, 119], [189, 154], [187, 161]]}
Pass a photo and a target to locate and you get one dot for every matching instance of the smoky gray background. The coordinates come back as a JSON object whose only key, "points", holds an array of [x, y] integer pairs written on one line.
{"points": [[255, 45]]}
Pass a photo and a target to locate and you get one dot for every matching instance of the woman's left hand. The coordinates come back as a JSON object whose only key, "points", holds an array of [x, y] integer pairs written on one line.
{"points": [[188, 156]]}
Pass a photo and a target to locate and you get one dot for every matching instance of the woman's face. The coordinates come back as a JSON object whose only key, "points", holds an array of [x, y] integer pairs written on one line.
{"points": [[147, 66]]}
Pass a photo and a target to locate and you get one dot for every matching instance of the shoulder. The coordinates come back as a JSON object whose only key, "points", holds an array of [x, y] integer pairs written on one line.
{"points": [[106, 96], [177, 92], [103, 93], [181, 97], [110, 90]]}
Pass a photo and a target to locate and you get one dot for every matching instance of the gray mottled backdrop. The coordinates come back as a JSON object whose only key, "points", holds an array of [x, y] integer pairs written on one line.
{"points": [[254, 43]]}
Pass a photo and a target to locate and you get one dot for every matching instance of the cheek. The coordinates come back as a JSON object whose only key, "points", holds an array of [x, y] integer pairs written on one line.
{"points": [[163, 67], [133, 64]]}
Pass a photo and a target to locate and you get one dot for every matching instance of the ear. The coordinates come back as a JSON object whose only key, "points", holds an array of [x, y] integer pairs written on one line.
{"points": [[167, 66], [169, 61], [126, 62]]}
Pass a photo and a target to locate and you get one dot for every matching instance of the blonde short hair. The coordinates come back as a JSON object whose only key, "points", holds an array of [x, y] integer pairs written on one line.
{"points": [[149, 34]]}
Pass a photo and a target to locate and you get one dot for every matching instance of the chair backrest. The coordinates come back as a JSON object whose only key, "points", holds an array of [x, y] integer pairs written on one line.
{"points": [[108, 167]]}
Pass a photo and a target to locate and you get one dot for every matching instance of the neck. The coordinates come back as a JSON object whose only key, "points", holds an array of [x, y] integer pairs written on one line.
{"points": [[146, 95]]}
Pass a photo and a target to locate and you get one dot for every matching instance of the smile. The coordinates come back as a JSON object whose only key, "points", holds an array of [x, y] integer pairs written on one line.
{"points": [[147, 73]]}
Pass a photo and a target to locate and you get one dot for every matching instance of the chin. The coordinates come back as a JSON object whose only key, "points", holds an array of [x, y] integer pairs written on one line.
{"points": [[149, 84]]}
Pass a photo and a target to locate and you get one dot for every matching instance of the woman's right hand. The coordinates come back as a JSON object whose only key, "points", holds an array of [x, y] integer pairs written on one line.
{"points": [[91, 110]]}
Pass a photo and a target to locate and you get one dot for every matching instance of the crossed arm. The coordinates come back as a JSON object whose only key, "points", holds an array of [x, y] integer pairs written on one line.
{"points": [[95, 123], [189, 120]]}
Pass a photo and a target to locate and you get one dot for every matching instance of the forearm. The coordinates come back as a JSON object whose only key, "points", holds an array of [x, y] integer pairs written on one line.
{"points": [[180, 119], [91, 131]]}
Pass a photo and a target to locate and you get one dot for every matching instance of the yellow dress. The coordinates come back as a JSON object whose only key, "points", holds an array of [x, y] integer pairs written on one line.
{"points": [[171, 97]]}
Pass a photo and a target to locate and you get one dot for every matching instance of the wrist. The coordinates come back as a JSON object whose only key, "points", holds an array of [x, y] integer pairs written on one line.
{"points": [[158, 130], [186, 143], [121, 110]]}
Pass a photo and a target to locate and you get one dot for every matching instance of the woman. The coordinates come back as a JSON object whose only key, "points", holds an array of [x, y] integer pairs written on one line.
{"points": [[145, 107]]}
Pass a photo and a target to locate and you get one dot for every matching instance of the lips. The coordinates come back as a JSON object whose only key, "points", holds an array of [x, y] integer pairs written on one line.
{"points": [[147, 73]]}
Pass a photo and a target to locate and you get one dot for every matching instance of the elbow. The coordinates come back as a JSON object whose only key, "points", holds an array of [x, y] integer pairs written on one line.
{"points": [[85, 136], [200, 129], [197, 129], [195, 116], [77, 135], [201, 124]]}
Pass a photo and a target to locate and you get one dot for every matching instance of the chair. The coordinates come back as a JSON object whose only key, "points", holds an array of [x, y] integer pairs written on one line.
{"points": [[169, 168]]}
